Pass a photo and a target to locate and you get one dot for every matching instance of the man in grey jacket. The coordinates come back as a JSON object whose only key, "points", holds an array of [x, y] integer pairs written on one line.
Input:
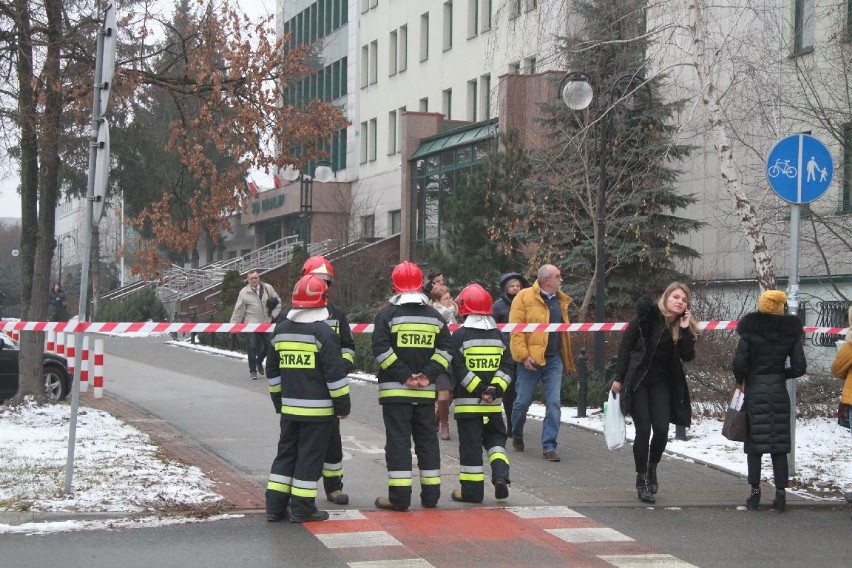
{"points": [[258, 302]]}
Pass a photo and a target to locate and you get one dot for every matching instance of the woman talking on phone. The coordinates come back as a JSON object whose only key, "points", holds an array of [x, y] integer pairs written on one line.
{"points": [[649, 375]]}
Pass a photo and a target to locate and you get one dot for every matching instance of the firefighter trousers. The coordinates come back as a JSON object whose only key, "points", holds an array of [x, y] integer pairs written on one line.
{"points": [[297, 467], [476, 433], [404, 421], [332, 468]]}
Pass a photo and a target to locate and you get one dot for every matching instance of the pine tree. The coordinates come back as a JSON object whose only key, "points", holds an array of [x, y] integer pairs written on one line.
{"points": [[640, 155]]}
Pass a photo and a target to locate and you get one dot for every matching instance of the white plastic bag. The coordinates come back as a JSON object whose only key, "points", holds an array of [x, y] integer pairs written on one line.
{"points": [[615, 431]]}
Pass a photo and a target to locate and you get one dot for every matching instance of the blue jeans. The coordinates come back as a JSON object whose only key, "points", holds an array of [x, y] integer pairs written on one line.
{"points": [[525, 381]]}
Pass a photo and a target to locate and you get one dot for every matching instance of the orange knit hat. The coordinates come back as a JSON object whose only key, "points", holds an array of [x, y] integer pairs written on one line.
{"points": [[772, 302]]}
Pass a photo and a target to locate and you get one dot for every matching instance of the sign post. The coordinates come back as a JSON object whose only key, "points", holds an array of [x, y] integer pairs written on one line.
{"points": [[799, 169]]}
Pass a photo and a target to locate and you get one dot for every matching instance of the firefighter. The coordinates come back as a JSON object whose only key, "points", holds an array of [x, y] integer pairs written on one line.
{"points": [[412, 345], [332, 468], [482, 368], [308, 386]]}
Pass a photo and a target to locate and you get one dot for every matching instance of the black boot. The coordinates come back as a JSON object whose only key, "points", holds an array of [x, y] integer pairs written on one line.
{"points": [[642, 489], [753, 501], [780, 501], [652, 478]]}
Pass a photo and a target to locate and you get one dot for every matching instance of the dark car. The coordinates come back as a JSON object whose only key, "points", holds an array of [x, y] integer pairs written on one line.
{"points": [[57, 380]]}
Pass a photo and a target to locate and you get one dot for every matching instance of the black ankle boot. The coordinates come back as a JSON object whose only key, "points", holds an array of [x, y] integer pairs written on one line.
{"points": [[642, 489], [753, 501], [652, 478], [780, 501]]}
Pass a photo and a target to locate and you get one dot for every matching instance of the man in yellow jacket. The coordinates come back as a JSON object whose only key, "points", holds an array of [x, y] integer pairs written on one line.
{"points": [[542, 356]]}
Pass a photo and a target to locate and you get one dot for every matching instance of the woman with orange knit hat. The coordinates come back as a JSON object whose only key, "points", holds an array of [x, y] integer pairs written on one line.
{"points": [[769, 339]]}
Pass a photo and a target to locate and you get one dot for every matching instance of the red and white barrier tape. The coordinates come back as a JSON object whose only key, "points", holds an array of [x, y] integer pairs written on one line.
{"points": [[153, 327]]}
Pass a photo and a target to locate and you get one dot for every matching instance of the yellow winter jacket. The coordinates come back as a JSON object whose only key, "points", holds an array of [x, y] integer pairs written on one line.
{"points": [[529, 307], [842, 369]]}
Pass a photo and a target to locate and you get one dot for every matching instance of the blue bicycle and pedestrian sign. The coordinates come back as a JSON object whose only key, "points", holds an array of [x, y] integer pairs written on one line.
{"points": [[799, 168]]}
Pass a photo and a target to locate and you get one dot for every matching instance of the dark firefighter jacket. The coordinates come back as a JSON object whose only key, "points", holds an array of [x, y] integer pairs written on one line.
{"points": [[307, 374], [409, 339], [480, 360]]}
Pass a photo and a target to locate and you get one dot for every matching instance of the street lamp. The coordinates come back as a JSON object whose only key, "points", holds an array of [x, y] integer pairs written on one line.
{"points": [[323, 172], [59, 244], [576, 93]]}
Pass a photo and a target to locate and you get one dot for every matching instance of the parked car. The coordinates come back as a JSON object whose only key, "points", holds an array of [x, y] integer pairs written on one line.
{"points": [[57, 380]]}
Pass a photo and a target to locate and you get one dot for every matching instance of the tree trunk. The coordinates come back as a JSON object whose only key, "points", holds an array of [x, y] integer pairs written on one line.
{"points": [[705, 62], [49, 134]]}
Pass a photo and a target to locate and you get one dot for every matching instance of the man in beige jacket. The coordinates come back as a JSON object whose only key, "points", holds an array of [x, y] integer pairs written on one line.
{"points": [[258, 302]]}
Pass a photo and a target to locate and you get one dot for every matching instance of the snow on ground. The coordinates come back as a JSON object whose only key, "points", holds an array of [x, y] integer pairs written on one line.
{"points": [[119, 470]]}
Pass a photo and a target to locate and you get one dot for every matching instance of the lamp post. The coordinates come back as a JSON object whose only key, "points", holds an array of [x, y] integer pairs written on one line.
{"points": [[576, 93], [323, 172]]}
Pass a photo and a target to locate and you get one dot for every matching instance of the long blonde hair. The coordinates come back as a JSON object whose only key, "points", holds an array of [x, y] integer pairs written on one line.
{"points": [[672, 319]]}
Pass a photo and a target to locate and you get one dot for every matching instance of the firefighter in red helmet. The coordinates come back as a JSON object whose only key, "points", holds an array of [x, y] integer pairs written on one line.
{"points": [[332, 467], [482, 369], [308, 386], [412, 345]]}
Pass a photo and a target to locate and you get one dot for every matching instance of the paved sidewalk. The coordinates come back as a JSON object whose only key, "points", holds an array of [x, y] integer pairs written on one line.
{"points": [[215, 418]]}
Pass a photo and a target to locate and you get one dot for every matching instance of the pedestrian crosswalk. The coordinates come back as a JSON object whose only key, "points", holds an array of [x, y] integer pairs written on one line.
{"points": [[481, 536]]}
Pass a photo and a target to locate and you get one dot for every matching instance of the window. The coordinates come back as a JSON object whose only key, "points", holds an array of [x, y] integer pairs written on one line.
{"points": [[472, 100], [392, 53], [374, 62], [392, 129], [424, 105], [402, 58], [485, 96], [365, 6], [531, 5], [365, 66], [529, 65], [515, 67], [472, 18], [374, 3], [448, 104], [424, 37], [365, 142], [448, 25], [394, 222], [847, 168], [804, 24], [516, 8], [485, 16], [371, 136], [368, 226]]}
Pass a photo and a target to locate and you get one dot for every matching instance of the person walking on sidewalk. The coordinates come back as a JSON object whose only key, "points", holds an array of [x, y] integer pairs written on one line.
{"points": [[309, 388], [510, 284], [481, 364], [543, 356], [768, 340], [441, 299], [257, 302], [841, 368], [649, 375], [332, 469], [412, 345]]}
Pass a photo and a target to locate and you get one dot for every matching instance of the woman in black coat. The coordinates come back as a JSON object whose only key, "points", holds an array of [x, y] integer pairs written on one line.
{"points": [[649, 375], [768, 338], [510, 284]]}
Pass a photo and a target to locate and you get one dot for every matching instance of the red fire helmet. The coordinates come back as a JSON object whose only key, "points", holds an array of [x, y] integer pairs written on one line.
{"points": [[474, 299], [407, 277], [318, 266], [310, 292]]}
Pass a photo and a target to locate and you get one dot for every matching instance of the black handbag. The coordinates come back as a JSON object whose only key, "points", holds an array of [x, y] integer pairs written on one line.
{"points": [[735, 427]]}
